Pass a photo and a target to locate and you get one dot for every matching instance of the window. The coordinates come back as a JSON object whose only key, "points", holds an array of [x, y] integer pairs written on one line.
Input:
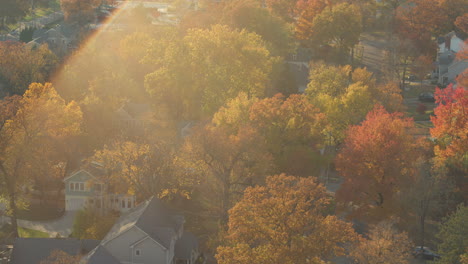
{"points": [[72, 186], [123, 204], [81, 186], [137, 252], [128, 204]]}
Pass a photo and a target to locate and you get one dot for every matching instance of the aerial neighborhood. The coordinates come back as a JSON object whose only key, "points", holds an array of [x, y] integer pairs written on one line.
{"points": [[233, 132]]}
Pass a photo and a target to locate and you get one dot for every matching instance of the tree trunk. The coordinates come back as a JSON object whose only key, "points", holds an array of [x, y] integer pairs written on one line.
{"points": [[226, 200], [14, 224]]}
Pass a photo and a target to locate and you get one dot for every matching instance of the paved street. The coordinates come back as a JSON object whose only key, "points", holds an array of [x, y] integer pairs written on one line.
{"points": [[373, 52]]}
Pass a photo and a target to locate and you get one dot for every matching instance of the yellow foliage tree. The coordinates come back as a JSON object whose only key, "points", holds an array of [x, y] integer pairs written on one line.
{"points": [[42, 117], [286, 221]]}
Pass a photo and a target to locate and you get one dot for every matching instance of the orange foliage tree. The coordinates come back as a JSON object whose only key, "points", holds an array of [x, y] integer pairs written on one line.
{"points": [[383, 245], [308, 11], [287, 221], [451, 128], [376, 161]]}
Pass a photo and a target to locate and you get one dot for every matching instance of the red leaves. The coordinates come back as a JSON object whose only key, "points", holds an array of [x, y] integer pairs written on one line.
{"points": [[376, 160], [451, 126]]}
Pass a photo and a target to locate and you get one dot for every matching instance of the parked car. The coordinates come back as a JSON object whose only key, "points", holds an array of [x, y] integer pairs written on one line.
{"points": [[425, 253], [426, 97]]}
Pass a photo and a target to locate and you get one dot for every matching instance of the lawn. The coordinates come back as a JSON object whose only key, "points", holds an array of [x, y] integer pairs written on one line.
{"points": [[6, 231], [26, 232], [40, 213]]}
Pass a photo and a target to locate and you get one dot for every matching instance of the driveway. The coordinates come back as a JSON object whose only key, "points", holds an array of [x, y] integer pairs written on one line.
{"points": [[62, 226]]}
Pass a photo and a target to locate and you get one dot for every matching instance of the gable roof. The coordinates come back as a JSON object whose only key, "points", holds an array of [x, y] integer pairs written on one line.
{"points": [[100, 255], [35, 250], [153, 218], [185, 245], [79, 173], [91, 170]]}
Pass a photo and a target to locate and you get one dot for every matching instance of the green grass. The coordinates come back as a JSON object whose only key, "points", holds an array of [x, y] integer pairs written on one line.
{"points": [[6, 231], [26, 232]]}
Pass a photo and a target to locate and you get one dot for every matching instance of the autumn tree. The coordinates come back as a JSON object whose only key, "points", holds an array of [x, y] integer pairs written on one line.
{"points": [[21, 66], [338, 25], [251, 16], [309, 11], [450, 126], [450, 131], [422, 66], [293, 131], [454, 236], [286, 9], [286, 221], [455, 10], [462, 23], [345, 96], [42, 118], [376, 160], [419, 22], [224, 164], [139, 169], [91, 224], [290, 127], [61, 257], [383, 245], [196, 75], [79, 11], [12, 9]]}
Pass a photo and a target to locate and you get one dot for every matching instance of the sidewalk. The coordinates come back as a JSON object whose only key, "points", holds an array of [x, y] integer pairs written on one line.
{"points": [[62, 226]]}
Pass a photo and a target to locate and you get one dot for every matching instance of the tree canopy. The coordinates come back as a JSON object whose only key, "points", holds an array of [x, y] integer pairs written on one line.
{"points": [[285, 221], [372, 180]]}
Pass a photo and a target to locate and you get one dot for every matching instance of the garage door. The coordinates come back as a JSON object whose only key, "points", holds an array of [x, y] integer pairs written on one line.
{"points": [[74, 204]]}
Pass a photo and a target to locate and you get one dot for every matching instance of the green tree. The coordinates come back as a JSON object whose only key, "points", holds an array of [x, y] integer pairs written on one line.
{"points": [[346, 96], [454, 236], [286, 221]]}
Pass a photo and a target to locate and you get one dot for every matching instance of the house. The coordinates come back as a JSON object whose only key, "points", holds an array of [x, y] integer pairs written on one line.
{"points": [[59, 39], [149, 233], [35, 250], [448, 66], [85, 188], [134, 118]]}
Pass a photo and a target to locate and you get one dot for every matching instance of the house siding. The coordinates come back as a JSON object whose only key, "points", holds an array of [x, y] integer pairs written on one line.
{"points": [[151, 253], [120, 247]]}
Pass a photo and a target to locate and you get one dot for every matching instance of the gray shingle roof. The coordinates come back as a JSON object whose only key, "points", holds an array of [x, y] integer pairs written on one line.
{"points": [[35, 250], [153, 218], [185, 245], [101, 256]]}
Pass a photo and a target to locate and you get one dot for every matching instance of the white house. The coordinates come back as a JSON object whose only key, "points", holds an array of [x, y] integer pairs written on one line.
{"points": [[84, 188], [448, 66], [148, 234]]}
